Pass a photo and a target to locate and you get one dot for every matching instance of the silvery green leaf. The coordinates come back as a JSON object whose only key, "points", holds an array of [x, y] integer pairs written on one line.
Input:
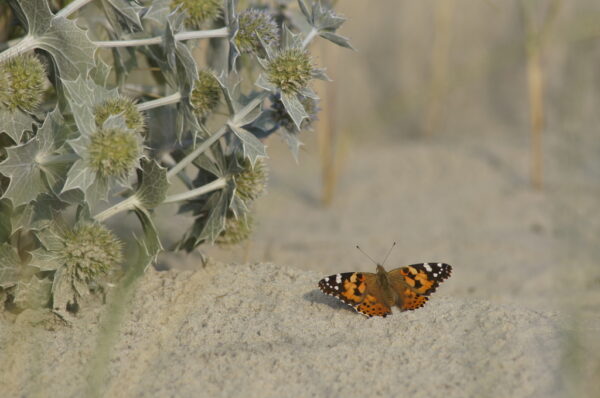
{"points": [[232, 22], [79, 177], [10, 266], [337, 39], [305, 11], [83, 95], [6, 212], [149, 246], [100, 73], [178, 54], [309, 92], [157, 13], [252, 147], [325, 19], [215, 223], [123, 12], [25, 167], [205, 163], [263, 82], [294, 108], [15, 123], [320, 74], [32, 293], [38, 215], [289, 39], [44, 260], [292, 141], [71, 50], [153, 185], [228, 86]]}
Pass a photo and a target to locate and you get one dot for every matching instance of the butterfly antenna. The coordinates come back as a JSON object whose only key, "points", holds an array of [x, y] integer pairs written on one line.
{"points": [[388, 253], [369, 257]]}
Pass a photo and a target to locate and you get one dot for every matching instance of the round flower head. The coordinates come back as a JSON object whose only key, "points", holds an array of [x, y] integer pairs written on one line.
{"points": [[237, 230], [90, 250], [199, 11], [290, 70], [252, 25], [114, 152], [251, 182], [25, 77], [205, 94], [281, 117], [117, 105]]}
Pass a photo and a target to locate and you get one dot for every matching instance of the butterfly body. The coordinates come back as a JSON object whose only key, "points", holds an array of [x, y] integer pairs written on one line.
{"points": [[374, 294]]}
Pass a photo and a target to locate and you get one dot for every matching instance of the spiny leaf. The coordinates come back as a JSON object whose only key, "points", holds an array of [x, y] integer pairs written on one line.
{"points": [[294, 108], [149, 246], [83, 95], [15, 123], [153, 185], [123, 13], [10, 266], [252, 147], [26, 167], [70, 48]]}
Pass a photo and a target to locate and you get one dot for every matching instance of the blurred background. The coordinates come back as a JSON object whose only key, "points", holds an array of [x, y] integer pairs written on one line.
{"points": [[468, 132]]}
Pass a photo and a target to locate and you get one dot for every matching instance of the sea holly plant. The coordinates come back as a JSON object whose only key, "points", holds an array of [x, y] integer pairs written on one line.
{"points": [[131, 113]]}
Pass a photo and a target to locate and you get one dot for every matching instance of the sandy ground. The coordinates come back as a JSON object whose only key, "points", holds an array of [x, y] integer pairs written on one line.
{"points": [[518, 318]]}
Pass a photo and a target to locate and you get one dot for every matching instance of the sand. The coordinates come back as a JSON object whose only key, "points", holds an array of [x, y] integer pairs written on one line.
{"points": [[518, 318]]}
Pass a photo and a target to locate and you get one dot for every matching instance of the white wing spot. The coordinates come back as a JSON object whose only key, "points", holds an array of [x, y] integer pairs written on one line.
{"points": [[427, 267], [336, 287], [439, 264], [338, 278], [327, 279], [435, 274]]}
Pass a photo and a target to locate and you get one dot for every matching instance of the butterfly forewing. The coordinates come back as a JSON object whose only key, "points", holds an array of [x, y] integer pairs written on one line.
{"points": [[357, 289], [423, 278]]}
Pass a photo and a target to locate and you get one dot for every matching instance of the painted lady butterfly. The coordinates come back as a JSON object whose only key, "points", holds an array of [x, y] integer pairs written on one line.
{"points": [[375, 294]]}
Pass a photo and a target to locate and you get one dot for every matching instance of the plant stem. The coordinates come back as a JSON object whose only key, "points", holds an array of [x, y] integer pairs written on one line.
{"points": [[26, 44], [309, 37], [170, 99], [56, 159], [71, 8], [212, 186], [196, 152], [127, 204], [197, 34]]}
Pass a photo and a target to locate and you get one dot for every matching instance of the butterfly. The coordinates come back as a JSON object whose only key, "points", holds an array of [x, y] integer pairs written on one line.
{"points": [[373, 294]]}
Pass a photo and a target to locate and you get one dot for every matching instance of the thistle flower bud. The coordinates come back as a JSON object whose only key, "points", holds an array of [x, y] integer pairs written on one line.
{"points": [[237, 230], [114, 152], [290, 70], [252, 25], [22, 82], [205, 94], [117, 105], [89, 251], [281, 117], [199, 11], [251, 182]]}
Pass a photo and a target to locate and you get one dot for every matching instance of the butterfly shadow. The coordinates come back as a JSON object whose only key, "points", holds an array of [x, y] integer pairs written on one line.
{"points": [[318, 297]]}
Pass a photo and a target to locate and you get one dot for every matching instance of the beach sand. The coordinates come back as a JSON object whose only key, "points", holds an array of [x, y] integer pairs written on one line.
{"points": [[518, 317]]}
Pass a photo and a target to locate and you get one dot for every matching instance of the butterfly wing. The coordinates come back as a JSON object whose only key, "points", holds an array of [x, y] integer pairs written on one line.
{"points": [[360, 290], [414, 283]]}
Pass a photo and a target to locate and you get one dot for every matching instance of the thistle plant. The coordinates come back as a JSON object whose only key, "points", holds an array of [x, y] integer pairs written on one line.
{"points": [[80, 142]]}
